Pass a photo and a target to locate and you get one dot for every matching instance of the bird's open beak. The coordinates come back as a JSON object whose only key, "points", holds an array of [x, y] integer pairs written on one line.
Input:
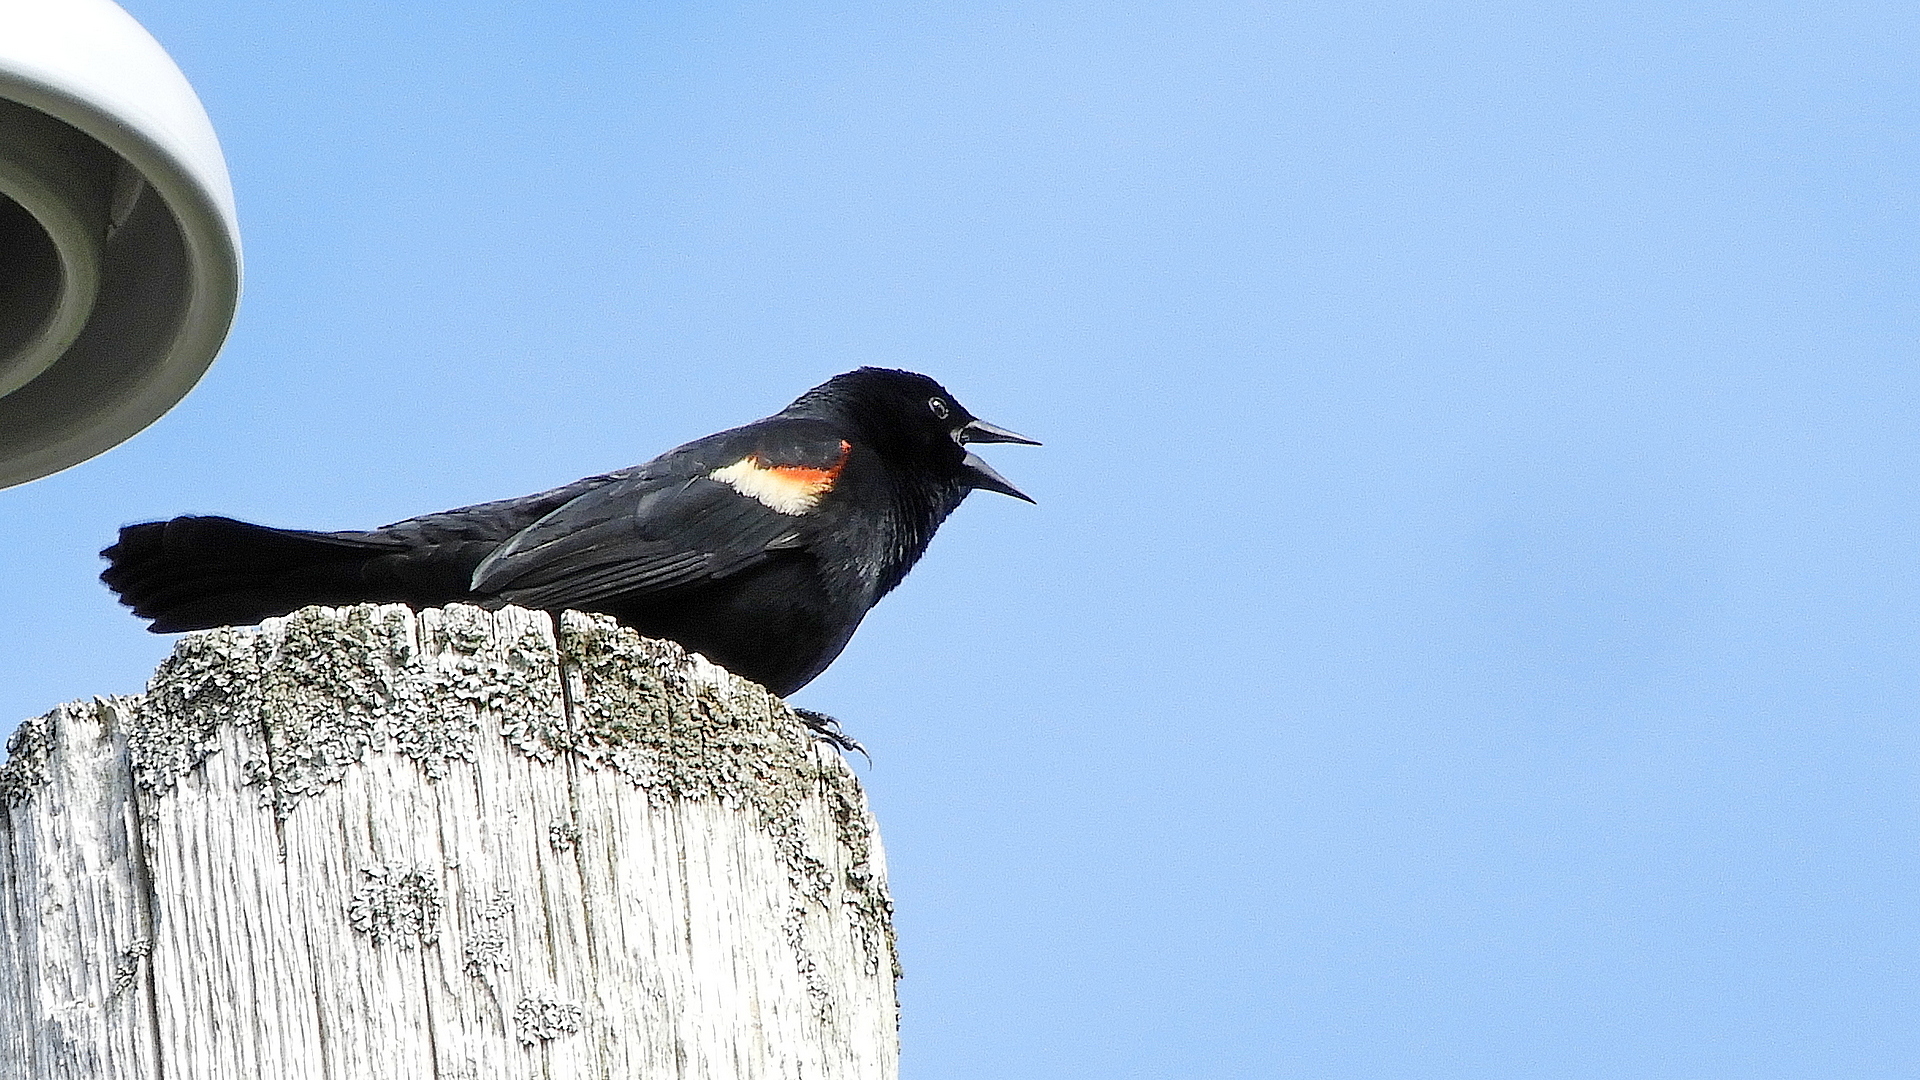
{"points": [[984, 478], [981, 473], [981, 431]]}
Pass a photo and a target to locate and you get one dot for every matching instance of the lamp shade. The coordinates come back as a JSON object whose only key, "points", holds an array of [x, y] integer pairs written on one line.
{"points": [[119, 251]]}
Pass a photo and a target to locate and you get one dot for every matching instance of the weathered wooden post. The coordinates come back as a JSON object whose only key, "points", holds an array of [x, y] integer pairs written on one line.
{"points": [[363, 842]]}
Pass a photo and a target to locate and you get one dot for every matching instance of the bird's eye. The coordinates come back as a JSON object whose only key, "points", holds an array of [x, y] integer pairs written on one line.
{"points": [[939, 407]]}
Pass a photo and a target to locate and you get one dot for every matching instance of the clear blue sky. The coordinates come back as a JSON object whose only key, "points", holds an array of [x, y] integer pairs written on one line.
{"points": [[1470, 625]]}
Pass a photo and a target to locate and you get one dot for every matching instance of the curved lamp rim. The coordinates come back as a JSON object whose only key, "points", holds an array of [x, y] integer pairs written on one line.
{"points": [[154, 122]]}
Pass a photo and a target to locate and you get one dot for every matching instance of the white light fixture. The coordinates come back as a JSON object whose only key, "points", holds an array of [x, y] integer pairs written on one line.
{"points": [[119, 252]]}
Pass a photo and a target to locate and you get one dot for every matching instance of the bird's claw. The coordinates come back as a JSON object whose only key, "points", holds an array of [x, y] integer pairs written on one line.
{"points": [[827, 729]]}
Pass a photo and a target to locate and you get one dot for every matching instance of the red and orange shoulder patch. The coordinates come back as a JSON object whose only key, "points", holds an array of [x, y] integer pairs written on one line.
{"points": [[788, 489]]}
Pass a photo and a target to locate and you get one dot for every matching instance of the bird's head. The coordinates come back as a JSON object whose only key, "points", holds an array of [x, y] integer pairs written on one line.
{"points": [[909, 417]]}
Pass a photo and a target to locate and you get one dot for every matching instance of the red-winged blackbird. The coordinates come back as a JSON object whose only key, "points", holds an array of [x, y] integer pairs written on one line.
{"points": [[761, 547]]}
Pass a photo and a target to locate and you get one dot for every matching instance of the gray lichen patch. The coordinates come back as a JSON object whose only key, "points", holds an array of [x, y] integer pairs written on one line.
{"points": [[541, 1018], [869, 906], [343, 682], [209, 680], [326, 691], [29, 749], [640, 706], [486, 949], [322, 687], [678, 729], [127, 968], [400, 904], [517, 681]]}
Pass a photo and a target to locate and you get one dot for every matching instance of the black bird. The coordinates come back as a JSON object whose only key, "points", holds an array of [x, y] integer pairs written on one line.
{"points": [[761, 547]]}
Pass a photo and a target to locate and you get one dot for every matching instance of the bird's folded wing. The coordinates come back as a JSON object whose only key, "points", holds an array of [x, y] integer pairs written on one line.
{"points": [[642, 537]]}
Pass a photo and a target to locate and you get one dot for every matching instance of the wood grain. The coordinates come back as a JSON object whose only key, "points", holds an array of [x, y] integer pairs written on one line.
{"points": [[363, 842]]}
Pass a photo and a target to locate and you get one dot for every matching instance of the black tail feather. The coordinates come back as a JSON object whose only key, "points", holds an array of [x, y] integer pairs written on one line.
{"points": [[192, 573]]}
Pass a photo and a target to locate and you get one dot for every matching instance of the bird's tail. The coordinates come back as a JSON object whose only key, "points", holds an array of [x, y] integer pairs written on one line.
{"points": [[192, 573]]}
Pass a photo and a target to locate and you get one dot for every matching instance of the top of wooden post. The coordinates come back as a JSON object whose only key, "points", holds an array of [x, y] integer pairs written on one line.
{"points": [[452, 842]]}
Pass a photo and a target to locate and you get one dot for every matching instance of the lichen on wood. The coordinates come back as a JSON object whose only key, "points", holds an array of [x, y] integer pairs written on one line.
{"points": [[25, 769], [603, 853], [538, 1019], [400, 904], [680, 729]]}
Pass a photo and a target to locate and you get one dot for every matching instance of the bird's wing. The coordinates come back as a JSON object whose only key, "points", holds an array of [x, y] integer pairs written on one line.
{"points": [[708, 510]]}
